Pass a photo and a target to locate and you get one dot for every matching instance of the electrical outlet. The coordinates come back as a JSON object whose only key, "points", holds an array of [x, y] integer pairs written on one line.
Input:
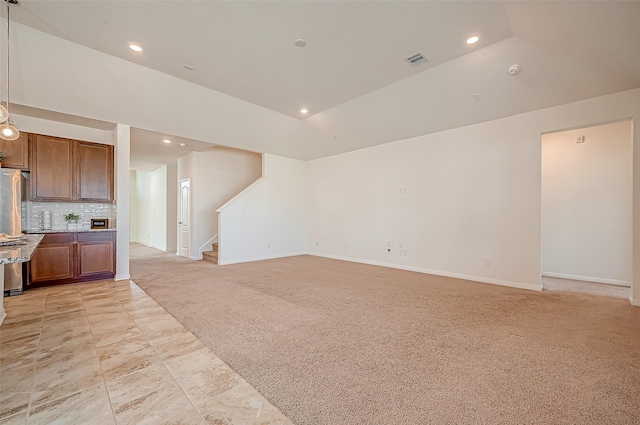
{"points": [[346, 246], [487, 261], [268, 245], [401, 245], [317, 243], [388, 244]]}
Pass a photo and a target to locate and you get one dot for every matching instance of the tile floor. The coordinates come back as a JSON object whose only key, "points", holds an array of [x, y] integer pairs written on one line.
{"points": [[106, 353]]}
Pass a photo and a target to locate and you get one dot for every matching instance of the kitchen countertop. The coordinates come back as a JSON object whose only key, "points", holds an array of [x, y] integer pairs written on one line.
{"points": [[39, 232], [20, 253]]}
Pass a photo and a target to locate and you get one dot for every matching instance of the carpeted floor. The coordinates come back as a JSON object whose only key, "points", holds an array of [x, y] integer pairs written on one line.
{"points": [[332, 342], [568, 285]]}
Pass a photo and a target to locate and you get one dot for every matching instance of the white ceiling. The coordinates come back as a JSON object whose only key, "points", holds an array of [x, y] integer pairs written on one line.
{"points": [[148, 151], [246, 49], [351, 75]]}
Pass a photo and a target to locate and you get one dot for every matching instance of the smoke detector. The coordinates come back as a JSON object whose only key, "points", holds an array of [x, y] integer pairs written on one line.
{"points": [[416, 59], [514, 69]]}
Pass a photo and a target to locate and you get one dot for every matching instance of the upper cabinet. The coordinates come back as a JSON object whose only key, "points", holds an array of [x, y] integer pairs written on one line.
{"points": [[94, 172], [66, 170], [19, 151], [51, 168]]}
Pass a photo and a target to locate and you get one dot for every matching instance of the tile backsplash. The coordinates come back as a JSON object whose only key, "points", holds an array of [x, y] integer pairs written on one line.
{"points": [[58, 210]]}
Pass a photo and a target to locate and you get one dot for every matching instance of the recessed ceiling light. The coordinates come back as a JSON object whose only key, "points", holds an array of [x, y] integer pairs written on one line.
{"points": [[303, 111], [183, 144], [300, 42], [135, 47], [166, 141], [473, 39]]}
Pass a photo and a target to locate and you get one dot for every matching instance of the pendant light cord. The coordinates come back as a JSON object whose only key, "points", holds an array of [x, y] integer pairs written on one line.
{"points": [[8, 67]]}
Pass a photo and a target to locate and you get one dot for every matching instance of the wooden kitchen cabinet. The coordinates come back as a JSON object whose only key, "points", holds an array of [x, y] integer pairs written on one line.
{"points": [[54, 258], [96, 254], [73, 257], [94, 172], [66, 170], [19, 150], [51, 168]]}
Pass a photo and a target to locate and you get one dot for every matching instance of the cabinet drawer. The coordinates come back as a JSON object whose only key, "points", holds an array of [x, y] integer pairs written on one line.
{"points": [[95, 236], [57, 238]]}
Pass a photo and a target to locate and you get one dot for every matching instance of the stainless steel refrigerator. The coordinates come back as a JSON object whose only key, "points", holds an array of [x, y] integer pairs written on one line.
{"points": [[12, 187]]}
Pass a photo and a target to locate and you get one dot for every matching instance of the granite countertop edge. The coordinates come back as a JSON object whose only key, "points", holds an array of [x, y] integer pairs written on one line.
{"points": [[40, 232], [20, 253]]}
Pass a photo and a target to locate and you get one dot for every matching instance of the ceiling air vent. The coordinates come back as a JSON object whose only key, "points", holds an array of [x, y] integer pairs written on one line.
{"points": [[416, 59]]}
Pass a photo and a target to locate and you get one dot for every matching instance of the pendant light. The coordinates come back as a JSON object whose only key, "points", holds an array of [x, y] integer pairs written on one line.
{"points": [[7, 130]]}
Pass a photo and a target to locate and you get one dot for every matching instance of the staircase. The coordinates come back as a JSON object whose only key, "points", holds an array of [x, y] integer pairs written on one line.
{"points": [[211, 255]]}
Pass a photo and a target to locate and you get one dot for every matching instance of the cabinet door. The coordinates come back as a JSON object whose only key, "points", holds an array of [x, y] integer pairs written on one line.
{"points": [[94, 172], [52, 262], [19, 150], [51, 168], [95, 258]]}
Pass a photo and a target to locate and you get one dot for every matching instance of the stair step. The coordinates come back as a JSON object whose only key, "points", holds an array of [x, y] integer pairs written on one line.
{"points": [[215, 246], [210, 256]]}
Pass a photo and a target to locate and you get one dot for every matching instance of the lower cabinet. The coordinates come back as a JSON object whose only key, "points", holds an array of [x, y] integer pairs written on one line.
{"points": [[73, 257]]}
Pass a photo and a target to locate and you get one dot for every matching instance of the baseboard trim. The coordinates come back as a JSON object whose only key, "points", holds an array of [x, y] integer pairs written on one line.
{"points": [[634, 302], [3, 315], [150, 245], [587, 279], [260, 258], [511, 284], [122, 277]]}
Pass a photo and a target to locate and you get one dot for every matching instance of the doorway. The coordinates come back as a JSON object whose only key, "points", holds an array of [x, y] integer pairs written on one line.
{"points": [[587, 195], [183, 219]]}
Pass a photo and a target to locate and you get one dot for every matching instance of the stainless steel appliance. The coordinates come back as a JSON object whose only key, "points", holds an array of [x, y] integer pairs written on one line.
{"points": [[12, 186]]}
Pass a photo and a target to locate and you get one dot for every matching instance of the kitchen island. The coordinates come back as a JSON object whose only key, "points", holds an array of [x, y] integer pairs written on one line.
{"points": [[16, 254]]}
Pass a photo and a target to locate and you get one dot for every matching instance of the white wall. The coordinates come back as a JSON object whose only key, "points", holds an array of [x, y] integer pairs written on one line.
{"points": [[270, 218], [217, 175], [587, 204], [472, 193], [151, 208], [158, 184], [133, 206], [172, 207], [122, 141], [143, 207], [60, 129]]}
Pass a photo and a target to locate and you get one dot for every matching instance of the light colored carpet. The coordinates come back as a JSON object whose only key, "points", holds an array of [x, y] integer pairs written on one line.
{"points": [[568, 285], [332, 342]]}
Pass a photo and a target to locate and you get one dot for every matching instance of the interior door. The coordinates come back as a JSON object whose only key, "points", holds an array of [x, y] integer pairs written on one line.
{"points": [[184, 218]]}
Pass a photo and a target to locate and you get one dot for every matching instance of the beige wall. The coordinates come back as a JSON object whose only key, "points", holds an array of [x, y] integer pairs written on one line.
{"points": [[216, 175], [471, 193], [587, 204]]}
